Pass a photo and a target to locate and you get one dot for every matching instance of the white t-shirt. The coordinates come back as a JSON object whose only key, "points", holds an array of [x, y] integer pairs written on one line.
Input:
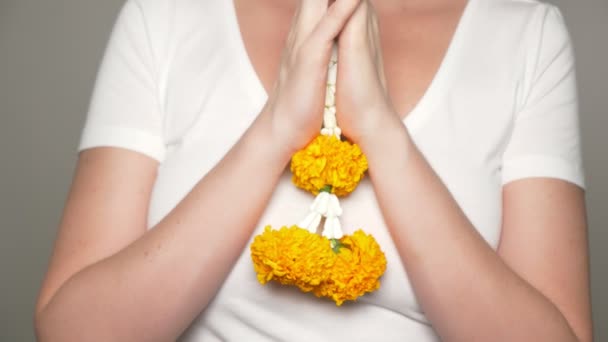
{"points": [[176, 84]]}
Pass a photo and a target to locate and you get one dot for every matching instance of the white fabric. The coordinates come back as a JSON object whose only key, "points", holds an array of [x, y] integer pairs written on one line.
{"points": [[176, 85]]}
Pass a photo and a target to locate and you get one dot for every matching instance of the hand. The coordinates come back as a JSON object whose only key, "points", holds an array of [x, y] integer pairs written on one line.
{"points": [[363, 105], [296, 103]]}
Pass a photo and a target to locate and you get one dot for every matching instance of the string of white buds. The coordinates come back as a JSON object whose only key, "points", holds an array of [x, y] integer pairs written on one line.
{"points": [[326, 205], [330, 124]]}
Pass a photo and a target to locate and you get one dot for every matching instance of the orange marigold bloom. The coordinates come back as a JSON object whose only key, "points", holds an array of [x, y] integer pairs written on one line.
{"points": [[358, 267], [329, 161], [294, 256], [291, 256]]}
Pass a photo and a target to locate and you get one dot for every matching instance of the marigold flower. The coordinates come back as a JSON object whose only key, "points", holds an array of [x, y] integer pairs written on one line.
{"points": [[294, 256], [291, 256], [328, 161], [357, 269]]}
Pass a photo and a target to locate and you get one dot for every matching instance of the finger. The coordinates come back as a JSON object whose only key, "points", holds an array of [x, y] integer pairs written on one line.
{"points": [[306, 17], [380, 65], [355, 33], [376, 44], [309, 15], [333, 21]]}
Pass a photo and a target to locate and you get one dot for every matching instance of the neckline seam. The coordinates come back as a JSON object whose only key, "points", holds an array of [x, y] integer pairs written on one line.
{"points": [[421, 111]]}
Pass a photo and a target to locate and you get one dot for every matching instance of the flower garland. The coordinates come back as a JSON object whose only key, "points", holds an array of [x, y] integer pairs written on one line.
{"points": [[333, 265]]}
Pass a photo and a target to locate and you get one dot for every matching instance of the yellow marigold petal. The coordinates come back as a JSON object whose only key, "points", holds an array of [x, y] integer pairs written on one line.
{"points": [[294, 256], [291, 256], [329, 161], [357, 269]]}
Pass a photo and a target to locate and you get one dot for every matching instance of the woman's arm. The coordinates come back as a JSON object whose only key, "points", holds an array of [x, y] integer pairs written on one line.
{"points": [[534, 289], [111, 280]]}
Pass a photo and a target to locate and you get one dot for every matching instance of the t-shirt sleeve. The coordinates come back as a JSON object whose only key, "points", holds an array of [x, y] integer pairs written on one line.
{"points": [[125, 109], [545, 141]]}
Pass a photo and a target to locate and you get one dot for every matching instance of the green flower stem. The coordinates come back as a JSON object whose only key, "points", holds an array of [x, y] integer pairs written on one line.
{"points": [[336, 245], [326, 188]]}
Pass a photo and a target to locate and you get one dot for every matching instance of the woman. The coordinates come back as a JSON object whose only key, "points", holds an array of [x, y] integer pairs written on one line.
{"points": [[468, 119]]}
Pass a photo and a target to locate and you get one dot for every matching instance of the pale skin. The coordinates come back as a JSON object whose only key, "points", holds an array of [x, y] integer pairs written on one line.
{"points": [[534, 288]]}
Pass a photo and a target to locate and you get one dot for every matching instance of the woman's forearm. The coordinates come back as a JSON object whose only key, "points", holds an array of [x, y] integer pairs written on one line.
{"points": [[151, 290], [465, 288]]}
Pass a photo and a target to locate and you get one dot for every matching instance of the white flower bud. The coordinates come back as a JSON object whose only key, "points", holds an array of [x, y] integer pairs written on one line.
{"points": [[319, 205], [333, 207], [327, 131], [332, 228], [310, 222]]}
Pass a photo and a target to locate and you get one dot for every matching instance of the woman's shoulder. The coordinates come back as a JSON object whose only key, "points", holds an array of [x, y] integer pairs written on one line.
{"points": [[517, 9], [516, 39], [159, 11], [524, 23], [520, 4], [175, 16], [169, 23], [156, 5]]}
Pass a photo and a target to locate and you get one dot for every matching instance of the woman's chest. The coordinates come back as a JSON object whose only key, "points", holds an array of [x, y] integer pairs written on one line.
{"points": [[461, 125], [414, 43]]}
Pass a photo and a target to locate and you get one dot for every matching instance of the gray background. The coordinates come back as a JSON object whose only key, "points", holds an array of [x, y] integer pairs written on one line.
{"points": [[49, 55]]}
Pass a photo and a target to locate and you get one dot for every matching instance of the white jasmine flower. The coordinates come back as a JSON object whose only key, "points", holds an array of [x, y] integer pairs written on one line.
{"points": [[321, 202], [310, 222], [332, 228]]}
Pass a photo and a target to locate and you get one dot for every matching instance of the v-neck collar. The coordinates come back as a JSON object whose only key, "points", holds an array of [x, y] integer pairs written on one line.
{"points": [[419, 113]]}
